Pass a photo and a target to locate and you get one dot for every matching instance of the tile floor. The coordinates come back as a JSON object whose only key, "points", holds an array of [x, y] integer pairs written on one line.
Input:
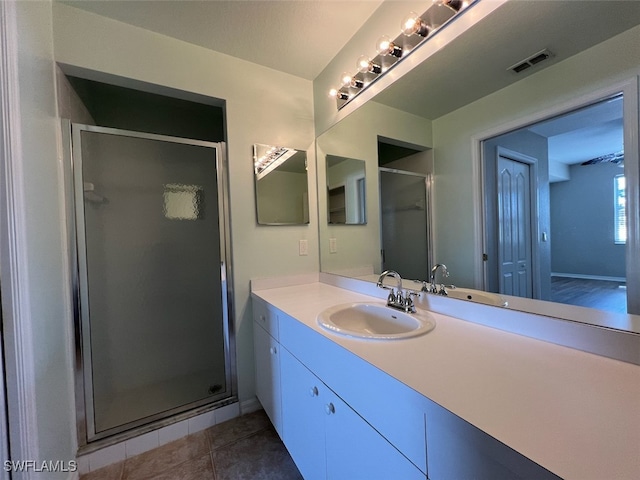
{"points": [[245, 448]]}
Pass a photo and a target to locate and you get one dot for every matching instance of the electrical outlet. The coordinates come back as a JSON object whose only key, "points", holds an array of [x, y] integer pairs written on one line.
{"points": [[303, 247], [333, 245]]}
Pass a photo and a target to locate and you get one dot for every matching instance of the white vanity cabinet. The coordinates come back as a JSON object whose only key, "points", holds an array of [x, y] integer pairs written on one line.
{"points": [[267, 361], [327, 438], [457, 449], [340, 417]]}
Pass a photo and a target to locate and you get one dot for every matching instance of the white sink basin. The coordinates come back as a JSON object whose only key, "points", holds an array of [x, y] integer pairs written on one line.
{"points": [[374, 321], [477, 296]]}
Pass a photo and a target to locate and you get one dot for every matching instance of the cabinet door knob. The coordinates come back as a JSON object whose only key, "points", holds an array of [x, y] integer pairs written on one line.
{"points": [[329, 408], [273, 350], [313, 391], [262, 317]]}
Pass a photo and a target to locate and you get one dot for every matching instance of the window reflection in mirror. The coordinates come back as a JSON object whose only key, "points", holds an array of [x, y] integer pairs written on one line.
{"points": [[346, 192], [281, 185]]}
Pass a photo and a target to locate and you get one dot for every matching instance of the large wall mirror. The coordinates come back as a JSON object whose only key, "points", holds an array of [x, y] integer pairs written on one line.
{"points": [[282, 189], [565, 129]]}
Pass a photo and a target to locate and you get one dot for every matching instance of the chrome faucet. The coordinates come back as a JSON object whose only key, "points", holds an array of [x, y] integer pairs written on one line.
{"points": [[397, 298], [433, 287]]}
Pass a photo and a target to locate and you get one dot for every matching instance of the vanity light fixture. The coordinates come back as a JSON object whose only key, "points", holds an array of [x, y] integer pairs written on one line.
{"points": [[349, 81], [387, 47], [412, 24], [338, 94], [414, 30], [365, 64], [455, 5], [270, 160]]}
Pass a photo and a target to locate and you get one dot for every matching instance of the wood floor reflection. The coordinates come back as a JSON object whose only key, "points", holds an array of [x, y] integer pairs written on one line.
{"points": [[601, 294]]}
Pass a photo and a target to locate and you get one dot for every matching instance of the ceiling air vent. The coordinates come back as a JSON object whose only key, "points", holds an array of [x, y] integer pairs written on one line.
{"points": [[530, 61]]}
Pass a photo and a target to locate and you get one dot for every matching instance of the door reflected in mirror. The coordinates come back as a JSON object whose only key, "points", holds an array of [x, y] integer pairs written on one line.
{"points": [[281, 185], [346, 191]]}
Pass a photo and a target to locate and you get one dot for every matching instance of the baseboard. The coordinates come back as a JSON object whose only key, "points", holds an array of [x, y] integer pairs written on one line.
{"points": [[588, 277], [251, 405]]}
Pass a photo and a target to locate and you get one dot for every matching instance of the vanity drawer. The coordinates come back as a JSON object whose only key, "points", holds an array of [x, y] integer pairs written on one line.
{"points": [[265, 316]]}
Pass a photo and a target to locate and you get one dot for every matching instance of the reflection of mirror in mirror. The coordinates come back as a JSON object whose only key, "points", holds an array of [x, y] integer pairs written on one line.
{"points": [[457, 117], [281, 185], [346, 188]]}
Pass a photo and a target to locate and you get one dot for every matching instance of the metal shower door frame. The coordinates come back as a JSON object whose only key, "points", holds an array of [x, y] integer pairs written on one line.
{"points": [[71, 133], [428, 181]]}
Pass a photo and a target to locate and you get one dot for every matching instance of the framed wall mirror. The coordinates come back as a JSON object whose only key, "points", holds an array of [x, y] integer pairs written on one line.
{"points": [[281, 185], [461, 107], [346, 191]]}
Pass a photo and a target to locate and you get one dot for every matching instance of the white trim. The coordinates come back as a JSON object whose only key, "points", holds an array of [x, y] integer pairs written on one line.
{"points": [[629, 90], [250, 406], [13, 255]]}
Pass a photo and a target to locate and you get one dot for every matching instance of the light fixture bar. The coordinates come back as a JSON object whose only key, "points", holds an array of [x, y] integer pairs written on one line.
{"points": [[415, 29]]}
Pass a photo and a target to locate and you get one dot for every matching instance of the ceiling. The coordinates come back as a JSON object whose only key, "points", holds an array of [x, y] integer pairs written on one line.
{"points": [[299, 37], [584, 134]]}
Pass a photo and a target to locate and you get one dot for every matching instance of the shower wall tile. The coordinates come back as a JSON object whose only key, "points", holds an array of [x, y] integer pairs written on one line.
{"points": [[107, 456], [142, 443], [202, 421], [173, 432], [227, 412]]}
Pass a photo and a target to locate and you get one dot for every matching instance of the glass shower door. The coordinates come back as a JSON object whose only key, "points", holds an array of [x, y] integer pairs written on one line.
{"points": [[405, 223], [152, 276]]}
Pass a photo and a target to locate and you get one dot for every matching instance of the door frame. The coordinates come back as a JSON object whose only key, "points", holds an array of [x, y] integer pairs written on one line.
{"points": [[86, 435], [492, 236], [629, 89], [18, 346]]}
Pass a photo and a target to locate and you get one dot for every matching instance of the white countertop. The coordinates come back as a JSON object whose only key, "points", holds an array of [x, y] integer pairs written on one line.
{"points": [[575, 413]]}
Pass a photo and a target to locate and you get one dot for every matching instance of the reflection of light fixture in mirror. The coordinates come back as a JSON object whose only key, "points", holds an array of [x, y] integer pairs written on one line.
{"points": [[349, 81], [365, 64], [386, 47], [274, 157], [413, 24]]}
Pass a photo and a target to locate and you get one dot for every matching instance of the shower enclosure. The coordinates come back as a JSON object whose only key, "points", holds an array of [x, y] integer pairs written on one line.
{"points": [[153, 319], [404, 207]]}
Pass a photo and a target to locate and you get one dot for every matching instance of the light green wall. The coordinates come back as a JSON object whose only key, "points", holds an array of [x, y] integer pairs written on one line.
{"points": [[262, 106], [609, 63], [48, 294]]}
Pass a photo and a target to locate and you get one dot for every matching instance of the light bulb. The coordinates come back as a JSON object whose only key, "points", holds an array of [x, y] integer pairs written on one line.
{"points": [[364, 64], [349, 81], [386, 47], [338, 94], [412, 23], [455, 5]]}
